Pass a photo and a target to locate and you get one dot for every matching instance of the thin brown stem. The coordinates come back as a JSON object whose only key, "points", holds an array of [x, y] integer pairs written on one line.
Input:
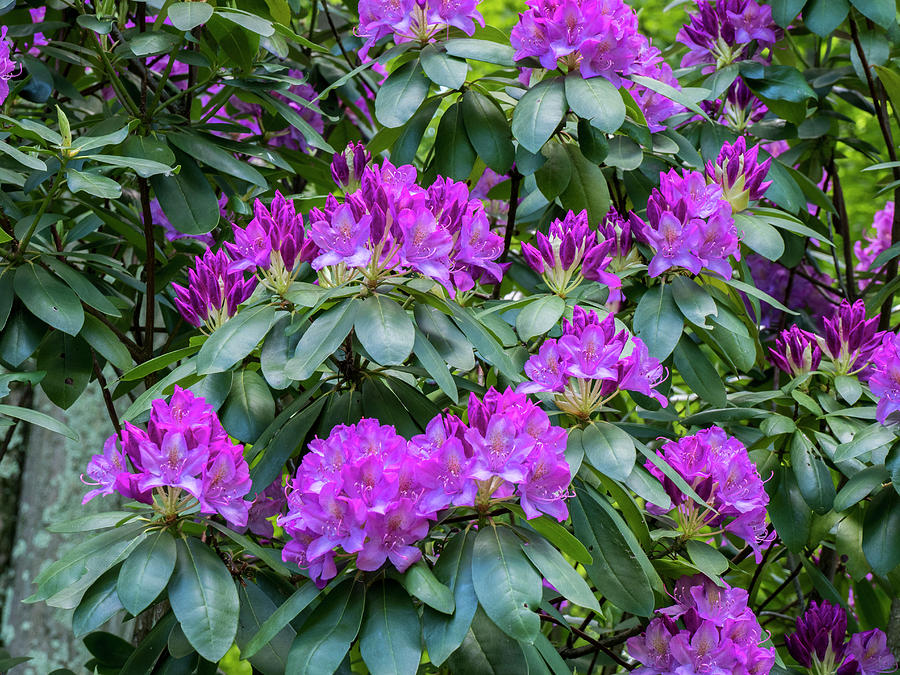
{"points": [[843, 227], [107, 397], [594, 642], [337, 37], [149, 268]]}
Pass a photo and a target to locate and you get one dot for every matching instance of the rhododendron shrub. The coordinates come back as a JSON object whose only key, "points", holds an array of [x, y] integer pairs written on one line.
{"points": [[436, 340]]}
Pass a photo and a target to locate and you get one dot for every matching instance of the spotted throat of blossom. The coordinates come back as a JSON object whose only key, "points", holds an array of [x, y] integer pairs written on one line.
{"points": [[590, 364], [183, 459], [718, 468], [721, 32], [391, 226], [414, 20], [569, 254], [710, 629], [213, 293], [689, 225]]}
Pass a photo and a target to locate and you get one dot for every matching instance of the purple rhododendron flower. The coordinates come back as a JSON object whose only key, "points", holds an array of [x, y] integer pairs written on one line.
{"points": [[850, 339], [347, 167], [213, 293], [185, 449], [588, 365], [689, 225], [8, 67], [718, 468], [738, 173], [725, 31], [415, 20], [796, 351], [718, 634], [870, 653], [738, 110], [877, 241], [884, 380]]}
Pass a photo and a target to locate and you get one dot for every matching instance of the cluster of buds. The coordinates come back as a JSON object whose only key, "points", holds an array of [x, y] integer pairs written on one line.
{"points": [[850, 339], [214, 291], [739, 174], [414, 20], [719, 470], [347, 167], [818, 644], [796, 352], [569, 254], [184, 456], [720, 634], [588, 365]]}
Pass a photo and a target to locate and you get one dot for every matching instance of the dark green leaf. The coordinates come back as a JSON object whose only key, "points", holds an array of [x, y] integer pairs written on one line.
{"points": [[678, 95], [609, 449], [539, 316], [658, 322], [204, 599], [401, 94], [234, 339], [539, 112], [759, 236], [433, 363], [405, 147], [450, 343], [782, 83], [454, 155], [593, 143], [93, 184], [146, 572], [487, 650], [823, 16], [68, 364], [813, 476], [785, 11], [257, 608], [39, 419], [597, 100], [443, 634], [390, 640], [206, 151], [587, 187], [443, 69], [481, 50], [144, 657], [867, 440], [249, 407], [882, 12], [488, 130], [95, 521], [322, 339], [292, 117], [99, 604], [881, 532], [707, 559], [788, 511], [860, 486], [554, 175], [421, 582], [484, 342], [558, 535], [278, 620], [326, 636], [693, 300], [508, 587], [188, 15], [49, 299], [848, 387], [555, 569], [614, 571], [187, 199], [105, 342], [699, 373]]}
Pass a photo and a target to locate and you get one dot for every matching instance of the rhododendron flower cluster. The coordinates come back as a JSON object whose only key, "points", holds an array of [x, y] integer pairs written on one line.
{"points": [[213, 292], [719, 470], [569, 254], [272, 243], [818, 644], [739, 174], [391, 225], [877, 241], [725, 31], [796, 351], [417, 20], [601, 39], [689, 225], [8, 67], [720, 634], [347, 167], [850, 339], [507, 450], [369, 492], [885, 378], [184, 455], [590, 364]]}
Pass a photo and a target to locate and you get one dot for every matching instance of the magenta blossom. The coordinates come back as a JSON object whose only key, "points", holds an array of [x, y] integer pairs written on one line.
{"points": [[877, 241], [590, 364], [213, 293], [850, 338], [796, 351], [738, 173], [718, 468], [8, 67], [347, 167], [409, 20], [885, 378], [184, 450]]}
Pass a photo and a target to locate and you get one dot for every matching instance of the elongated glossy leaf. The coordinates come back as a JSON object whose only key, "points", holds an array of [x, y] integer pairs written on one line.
{"points": [[614, 571], [871, 438], [538, 113], [707, 559], [49, 299], [144, 657], [488, 131], [487, 650], [788, 511], [508, 587], [326, 636], [257, 608], [420, 581], [449, 341], [490, 350], [96, 521], [694, 302], [813, 476], [882, 12], [407, 144], [658, 322], [538, 317], [147, 571], [401, 94], [99, 604], [597, 100], [555, 569], [454, 155], [322, 339], [39, 419], [881, 532], [187, 199], [68, 364], [93, 183], [443, 634], [435, 366], [699, 373], [385, 330], [587, 187], [106, 343], [558, 535], [443, 69], [481, 50], [188, 15], [390, 638], [204, 599], [206, 151], [609, 449], [236, 338], [249, 407], [671, 93], [860, 486]]}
